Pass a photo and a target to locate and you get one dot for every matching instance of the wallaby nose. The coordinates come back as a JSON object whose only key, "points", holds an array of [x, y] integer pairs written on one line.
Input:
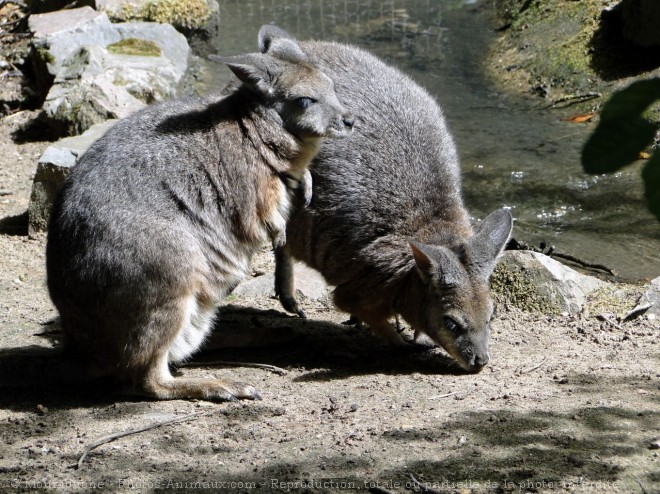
{"points": [[480, 361], [348, 121]]}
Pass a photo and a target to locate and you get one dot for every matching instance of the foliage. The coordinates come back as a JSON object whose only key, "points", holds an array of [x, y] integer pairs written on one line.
{"points": [[623, 133]]}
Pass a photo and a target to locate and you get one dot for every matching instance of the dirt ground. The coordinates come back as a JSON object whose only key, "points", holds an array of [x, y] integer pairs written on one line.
{"points": [[568, 404]]}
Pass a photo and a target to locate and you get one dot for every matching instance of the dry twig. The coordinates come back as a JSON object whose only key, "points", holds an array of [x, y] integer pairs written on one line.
{"points": [[117, 435], [439, 397], [228, 363], [421, 486], [532, 369]]}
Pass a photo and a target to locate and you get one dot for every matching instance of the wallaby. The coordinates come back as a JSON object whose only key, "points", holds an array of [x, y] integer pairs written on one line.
{"points": [[386, 224], [159, 220]]}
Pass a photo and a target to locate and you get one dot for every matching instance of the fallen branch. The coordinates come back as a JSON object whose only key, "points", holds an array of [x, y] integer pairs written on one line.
{"points": [[636, 312], [606, 319], [117, 435], [550, 252], [228, 363], [571, 99]]}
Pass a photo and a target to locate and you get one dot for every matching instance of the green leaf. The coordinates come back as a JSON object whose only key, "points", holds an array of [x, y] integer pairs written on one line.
{"points": [[622, 132], [651, 176]]}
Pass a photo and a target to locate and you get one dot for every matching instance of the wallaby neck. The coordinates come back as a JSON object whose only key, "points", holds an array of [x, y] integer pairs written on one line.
{"points": [[410, 301], [263, 127]]}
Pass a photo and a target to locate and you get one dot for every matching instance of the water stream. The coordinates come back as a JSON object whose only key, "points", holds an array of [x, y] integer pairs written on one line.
{"points": [[513, 154]]}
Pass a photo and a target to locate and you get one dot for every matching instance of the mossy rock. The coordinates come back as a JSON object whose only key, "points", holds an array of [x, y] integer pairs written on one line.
{"points": [[187, 14], [135, 46], [511, 286], [613, 299]]}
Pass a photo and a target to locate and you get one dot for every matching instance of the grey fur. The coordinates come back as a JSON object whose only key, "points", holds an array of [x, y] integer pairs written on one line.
{"points": [[159, 220], [386, 224]]}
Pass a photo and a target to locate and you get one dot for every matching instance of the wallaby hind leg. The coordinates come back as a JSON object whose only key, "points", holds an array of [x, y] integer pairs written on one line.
{"points": [[157, 382], [190, 320], [285, 282]]}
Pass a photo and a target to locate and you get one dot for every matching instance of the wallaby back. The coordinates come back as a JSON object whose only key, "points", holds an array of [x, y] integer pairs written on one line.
{"points": [[386, 224], [159, 220]]}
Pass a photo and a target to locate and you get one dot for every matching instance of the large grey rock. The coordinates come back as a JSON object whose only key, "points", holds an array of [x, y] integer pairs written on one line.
{"points": [[534, 281], [641, 21], [90, 84], [53, 168], [94, 85], [56, 35]]}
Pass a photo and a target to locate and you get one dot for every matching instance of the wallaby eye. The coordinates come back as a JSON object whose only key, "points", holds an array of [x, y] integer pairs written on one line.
{"points": [[451, 325], [304, 102]]}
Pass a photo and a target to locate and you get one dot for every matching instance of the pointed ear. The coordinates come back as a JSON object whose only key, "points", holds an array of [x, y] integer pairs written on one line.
{"points": [[256, 71], [287, 49], [492, 235], [278, 43], [435, 262], [270, 33]]}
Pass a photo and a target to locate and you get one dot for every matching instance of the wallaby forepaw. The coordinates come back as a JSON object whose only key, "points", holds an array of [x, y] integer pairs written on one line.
{"points": [[306, 185], [279, 239]]}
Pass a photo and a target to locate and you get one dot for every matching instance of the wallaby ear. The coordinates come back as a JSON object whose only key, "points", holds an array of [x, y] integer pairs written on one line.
{"points": [[254, 70], [278, 43], [492, 235], [269, 33], [434, 261]]}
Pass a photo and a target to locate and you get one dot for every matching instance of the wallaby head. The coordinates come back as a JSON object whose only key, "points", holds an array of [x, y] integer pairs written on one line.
{"points": [[283, 78], [456, 305]]}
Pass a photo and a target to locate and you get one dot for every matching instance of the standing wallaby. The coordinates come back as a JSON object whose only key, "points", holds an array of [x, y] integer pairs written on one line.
{"points": [[386, 224], [159, 220]]}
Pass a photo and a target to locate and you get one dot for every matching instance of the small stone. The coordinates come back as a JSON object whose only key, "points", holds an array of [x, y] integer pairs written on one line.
{"points": [[655, 443], [42, 410]]}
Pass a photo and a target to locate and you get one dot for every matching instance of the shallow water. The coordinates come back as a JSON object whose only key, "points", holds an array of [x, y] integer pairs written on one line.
{"points": [[512, 154]]}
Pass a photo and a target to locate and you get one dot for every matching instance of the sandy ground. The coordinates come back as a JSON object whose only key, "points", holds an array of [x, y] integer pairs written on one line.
{"points": [[568, 404]]}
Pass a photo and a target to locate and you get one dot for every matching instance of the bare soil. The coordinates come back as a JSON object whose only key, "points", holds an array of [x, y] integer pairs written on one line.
{"points": [[568, 404]]}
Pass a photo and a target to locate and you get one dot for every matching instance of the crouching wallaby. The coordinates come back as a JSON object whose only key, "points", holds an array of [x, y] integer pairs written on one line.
{"points": [[386, 224], [159, 220]]}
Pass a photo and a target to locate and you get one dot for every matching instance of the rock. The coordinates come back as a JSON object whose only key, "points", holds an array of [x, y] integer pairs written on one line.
{"points": [[535, 282], [53, 168], [641, 21], [56, 35], [186, 15], [651, 297], [94, 75], [308, 282], [94, 85]]}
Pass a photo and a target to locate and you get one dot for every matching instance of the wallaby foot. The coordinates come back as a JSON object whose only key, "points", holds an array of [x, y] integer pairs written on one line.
{"points": [[285, 283], [353, 321], [159, 384]]}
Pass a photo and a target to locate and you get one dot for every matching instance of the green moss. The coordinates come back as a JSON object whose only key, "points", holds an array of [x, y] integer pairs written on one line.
{"points": [[135, 46], [511, 286], [188, 14], [44, 55], [613, 299]]}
